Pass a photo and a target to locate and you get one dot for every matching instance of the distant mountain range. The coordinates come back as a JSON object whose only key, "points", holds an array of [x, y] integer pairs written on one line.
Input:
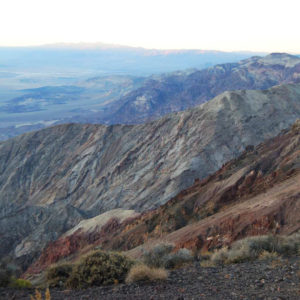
{"points": [[103, 73], [177, 92], [109, 59], [52, 179], [129, 99]]}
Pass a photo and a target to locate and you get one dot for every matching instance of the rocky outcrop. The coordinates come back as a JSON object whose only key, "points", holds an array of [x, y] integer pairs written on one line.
{"points": [[95, 224], [82, 237], [52, 179], [177, 92]]}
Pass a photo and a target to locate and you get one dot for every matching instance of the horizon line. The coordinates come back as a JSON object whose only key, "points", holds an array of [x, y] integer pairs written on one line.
{"points": [[101, 45]]}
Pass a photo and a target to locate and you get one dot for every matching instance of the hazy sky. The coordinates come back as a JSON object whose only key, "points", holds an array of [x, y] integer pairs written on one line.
{"points": [[257, 25]]}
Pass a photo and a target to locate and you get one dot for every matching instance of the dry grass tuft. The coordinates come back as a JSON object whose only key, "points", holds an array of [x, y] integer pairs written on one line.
{"points": [[142, 272], [265, 255], [39, 296], [207, 264]]}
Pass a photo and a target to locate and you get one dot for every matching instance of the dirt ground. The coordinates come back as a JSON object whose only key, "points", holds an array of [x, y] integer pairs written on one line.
{"points": [[277, 279]]}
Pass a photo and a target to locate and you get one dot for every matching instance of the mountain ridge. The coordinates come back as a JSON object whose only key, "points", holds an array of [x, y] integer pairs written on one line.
{"points": [[256, 193], [119, 99], [176, 93], [67, 173]]}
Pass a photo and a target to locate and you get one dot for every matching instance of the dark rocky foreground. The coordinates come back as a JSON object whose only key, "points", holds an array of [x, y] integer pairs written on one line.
{"points": [[278, 279]]}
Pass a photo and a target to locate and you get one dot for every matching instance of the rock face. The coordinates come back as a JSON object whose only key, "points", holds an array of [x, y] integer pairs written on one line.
{"points": [[95, 224], [177, 92], [82, 237], [54, 178], [256, 193]]}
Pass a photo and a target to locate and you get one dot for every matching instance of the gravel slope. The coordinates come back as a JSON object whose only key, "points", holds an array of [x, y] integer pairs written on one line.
{"points": [[277, 279]]}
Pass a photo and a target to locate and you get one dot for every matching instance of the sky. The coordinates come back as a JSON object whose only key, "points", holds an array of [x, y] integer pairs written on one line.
{"points": [[227, 25]]}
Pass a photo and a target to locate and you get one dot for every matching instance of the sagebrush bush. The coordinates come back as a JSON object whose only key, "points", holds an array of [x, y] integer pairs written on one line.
{"points": [[141, 272], [219, 256], [156, 257], [161, 256], [99, 268], [288, 245], [177, 259], [254, 247], [58, 275]]}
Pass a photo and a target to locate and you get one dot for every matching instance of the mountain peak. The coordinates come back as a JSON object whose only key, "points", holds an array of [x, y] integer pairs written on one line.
{"points": [[283, 59]]}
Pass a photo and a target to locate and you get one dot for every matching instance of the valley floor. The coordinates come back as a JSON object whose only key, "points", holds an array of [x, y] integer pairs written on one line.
{"points": [[278, 279]]}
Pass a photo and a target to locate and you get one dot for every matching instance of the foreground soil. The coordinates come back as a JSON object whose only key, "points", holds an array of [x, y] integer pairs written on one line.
{"points": [[277, 279]]}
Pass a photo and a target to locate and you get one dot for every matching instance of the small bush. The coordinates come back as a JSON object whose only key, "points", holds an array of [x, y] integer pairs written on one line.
{"points": [[99, 268], [58, 275], [288, 245], [19, 283], [252, 248], [142, 272], [219, 256], [156, 257], [8, 280], [161, 257], [179, 258]]}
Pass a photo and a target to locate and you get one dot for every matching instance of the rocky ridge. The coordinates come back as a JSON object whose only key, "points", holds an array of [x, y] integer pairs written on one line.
{"points": [[176, 92], [254, 194], [52, 179]]}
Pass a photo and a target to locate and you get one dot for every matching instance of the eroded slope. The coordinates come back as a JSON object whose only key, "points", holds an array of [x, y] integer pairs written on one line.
{"points": [[53, 178], [257, 193]]}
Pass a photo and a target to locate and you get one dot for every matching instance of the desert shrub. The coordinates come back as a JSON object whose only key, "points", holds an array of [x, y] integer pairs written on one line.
{"points": [[141, 272], [288, 245], [99, 268], [8, 280], [219, 256], [252, 248], [179, 258], [19, 283], [161, 256], [244, 250], [156, 257], [58, 275]]}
